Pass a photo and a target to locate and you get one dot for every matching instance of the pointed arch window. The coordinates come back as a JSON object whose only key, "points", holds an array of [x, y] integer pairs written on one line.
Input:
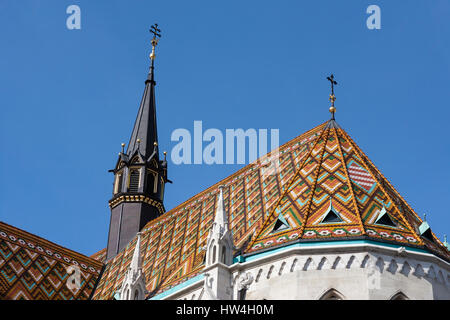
{"points": [[332, 294], [399, 296], [134, 180], [224, 254], [152, 182], [161, 189], [213, 260], [118, 182]]}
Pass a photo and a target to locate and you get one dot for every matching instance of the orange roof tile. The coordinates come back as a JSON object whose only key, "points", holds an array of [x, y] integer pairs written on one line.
{"points": [[319, 167], [33, 268]]}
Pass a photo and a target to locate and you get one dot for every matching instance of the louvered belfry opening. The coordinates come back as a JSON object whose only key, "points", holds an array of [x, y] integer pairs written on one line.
{"points": [[134, 181]]}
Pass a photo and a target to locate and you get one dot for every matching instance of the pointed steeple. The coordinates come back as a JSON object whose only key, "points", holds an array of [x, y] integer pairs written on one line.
{"points": [[219, 245], [145, 128], [133, 285], [219, 255], [140, 175], [136, 261], [220, 220]]}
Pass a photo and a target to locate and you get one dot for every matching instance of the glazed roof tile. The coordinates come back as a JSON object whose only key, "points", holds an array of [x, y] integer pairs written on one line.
{"points": [[320, 166], [33, 268]]}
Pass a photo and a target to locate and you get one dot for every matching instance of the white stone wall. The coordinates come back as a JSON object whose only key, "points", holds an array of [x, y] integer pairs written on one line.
{"points": [[354, 272], [355, 276]]}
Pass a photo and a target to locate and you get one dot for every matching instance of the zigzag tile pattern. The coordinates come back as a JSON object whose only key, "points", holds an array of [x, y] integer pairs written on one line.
{"points": [[321, 166], [173, 244], [401, 207], [32, 268], [338, 172]]}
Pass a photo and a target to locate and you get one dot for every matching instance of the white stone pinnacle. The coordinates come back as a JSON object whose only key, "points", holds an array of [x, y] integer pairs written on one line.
{"points": [[136, 261]]}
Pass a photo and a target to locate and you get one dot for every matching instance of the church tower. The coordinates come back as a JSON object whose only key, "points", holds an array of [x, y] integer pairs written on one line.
{"points": [[139, 174]]}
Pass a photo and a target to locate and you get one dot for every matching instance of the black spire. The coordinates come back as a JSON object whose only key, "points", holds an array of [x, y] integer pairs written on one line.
{"points": [[145, 128], [140, 176]]}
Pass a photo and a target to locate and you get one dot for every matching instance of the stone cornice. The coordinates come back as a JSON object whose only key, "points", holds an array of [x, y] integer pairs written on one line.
{"points": [[136, 198]]}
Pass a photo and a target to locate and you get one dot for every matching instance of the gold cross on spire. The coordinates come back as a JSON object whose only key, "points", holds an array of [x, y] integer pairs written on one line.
{"points": [[156, 34], [332, 96]]}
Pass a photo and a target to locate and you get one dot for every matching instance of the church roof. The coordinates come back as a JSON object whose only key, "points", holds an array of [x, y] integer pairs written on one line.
{"points": [[33, 268], [325, 189]]}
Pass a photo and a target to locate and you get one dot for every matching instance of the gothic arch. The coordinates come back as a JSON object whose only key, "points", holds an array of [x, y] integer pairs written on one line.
{"points": [[399, 296], [214, 254], [332, 294], [127, 293], [135, 160], [223, 255]]}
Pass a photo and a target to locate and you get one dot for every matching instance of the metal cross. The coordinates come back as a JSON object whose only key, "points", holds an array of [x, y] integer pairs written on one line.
{"points": [[331, 79], [156, 32]]}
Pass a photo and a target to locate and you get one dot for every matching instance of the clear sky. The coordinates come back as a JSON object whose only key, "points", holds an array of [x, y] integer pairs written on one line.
{"points": [[70, 97]]}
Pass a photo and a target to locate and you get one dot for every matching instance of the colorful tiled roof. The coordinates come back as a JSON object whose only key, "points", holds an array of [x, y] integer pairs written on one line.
{"points": [[320, 171], [100, 255], [33, 268], [336, 175]]}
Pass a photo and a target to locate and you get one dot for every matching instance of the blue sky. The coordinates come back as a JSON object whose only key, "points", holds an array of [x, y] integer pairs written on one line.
{"points": [[70, 97]]}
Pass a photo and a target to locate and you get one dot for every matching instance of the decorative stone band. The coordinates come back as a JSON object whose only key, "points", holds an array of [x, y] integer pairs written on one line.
{"points": [[328, 257], [136, 198]]}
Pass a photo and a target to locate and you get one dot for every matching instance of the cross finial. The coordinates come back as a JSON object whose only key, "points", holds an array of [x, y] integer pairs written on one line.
{"points": [[332, 96], [156, 34]]}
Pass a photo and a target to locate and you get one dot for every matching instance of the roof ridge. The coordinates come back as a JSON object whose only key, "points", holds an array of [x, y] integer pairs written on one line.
{"points": [[349, 182], [288, 184], [396, 193], [313, 189], [97, 253], [364, 159]]}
